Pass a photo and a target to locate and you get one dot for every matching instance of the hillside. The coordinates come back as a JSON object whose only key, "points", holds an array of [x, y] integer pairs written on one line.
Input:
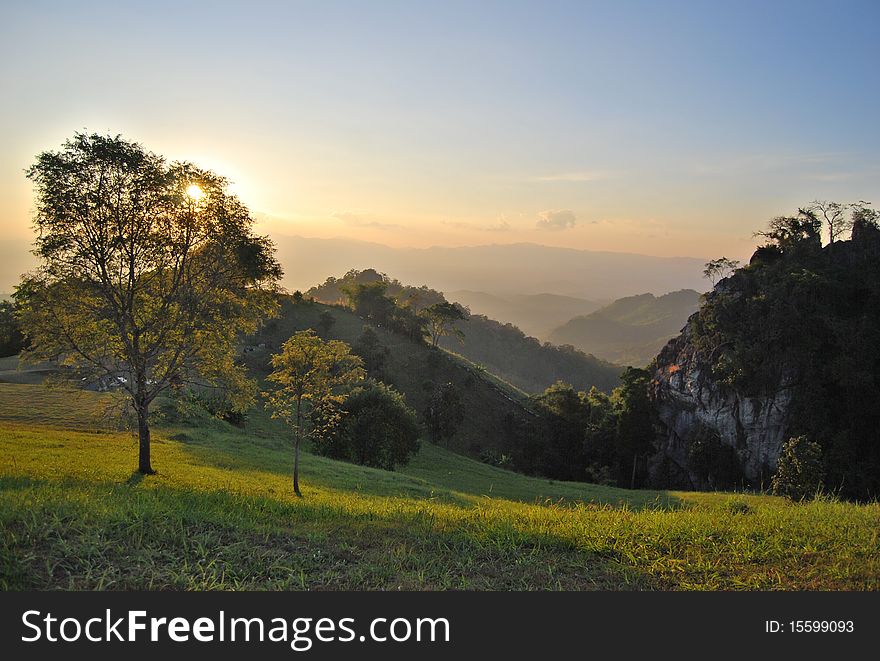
{"points": [[220, 515], [411, 368], [534, 314], [527, 363], [631, 330], [502, 348]]}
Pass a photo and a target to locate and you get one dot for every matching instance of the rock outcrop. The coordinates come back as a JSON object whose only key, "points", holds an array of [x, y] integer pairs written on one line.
{"points": [[692, 406]]}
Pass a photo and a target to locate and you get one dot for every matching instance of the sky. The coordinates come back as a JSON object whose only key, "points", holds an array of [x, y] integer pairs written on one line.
{"points": [[662, 128]]}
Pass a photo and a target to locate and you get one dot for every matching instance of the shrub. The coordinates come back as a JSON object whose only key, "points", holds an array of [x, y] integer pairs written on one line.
{"points": [[799, 472], [372, 427]]}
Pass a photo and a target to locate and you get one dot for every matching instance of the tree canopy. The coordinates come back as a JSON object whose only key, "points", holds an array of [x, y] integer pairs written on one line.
{"points": [[148, 272]]}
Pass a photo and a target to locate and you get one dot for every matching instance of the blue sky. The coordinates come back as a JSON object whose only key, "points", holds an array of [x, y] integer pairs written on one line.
{"points": [[673, 128]]}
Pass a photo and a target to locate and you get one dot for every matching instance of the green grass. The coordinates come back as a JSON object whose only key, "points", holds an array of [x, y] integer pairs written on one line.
{"points": [[220, 514]]}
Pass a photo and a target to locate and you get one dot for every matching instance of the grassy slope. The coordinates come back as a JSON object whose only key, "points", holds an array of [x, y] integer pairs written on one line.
{"points": [[220, 514]]}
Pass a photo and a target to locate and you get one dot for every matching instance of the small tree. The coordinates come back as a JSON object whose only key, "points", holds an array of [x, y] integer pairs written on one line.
{"points": [[371, 349], [441, 319], [308, 372], [375, 428], [326, 321], [799, 472], [444, 413], [148, 273], [720, 268]]}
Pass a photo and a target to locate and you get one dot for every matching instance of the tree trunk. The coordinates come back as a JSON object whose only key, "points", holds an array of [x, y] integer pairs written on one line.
{"points": [[144, 466], [296, 450], [296, 468]]}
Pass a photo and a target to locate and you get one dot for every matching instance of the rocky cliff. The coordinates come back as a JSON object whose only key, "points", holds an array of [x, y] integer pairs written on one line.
{"points": [[694, 408], [784, 347]]}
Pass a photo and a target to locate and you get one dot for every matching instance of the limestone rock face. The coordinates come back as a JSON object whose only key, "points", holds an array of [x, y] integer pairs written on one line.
{"points": [[691, 404]]}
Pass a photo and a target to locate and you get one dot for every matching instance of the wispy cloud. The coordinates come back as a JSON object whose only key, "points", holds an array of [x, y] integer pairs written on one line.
{"points": [[359, 220], [561, 219]]}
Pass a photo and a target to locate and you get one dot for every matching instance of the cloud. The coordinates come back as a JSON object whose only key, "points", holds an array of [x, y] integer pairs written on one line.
{"points": [[584, 175], [561, 219], [358, 220]]}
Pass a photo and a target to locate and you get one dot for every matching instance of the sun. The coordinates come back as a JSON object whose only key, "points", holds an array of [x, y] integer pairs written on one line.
{"points": [[194, 192]]}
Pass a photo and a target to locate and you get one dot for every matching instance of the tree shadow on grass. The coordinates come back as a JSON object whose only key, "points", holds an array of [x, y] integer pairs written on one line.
{"points": [[136, 478]]}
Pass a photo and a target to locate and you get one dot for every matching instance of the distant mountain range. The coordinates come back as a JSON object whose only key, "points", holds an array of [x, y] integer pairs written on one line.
{"points": [[631, 330], [534, 314], [503, 270]]}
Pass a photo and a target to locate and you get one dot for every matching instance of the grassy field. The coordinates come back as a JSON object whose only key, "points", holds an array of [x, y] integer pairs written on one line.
{"points": [[220, 514]]}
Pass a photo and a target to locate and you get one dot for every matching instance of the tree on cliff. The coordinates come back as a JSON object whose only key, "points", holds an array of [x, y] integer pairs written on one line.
{"points": [[148, 273], [717, 269]]}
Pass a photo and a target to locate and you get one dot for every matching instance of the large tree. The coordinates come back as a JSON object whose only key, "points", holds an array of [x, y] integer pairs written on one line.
{"points": [[309, 372], [148, 273]]}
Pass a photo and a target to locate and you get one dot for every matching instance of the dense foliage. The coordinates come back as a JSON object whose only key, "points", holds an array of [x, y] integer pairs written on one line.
{"points": [[804, 316], [371, 350], [589, 436]]}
